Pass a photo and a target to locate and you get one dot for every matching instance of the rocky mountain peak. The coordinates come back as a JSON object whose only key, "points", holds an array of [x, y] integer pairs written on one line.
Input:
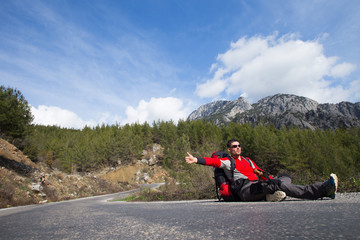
{"points": [[207, 109], [221, 107], [281, 110], [280, 103]]}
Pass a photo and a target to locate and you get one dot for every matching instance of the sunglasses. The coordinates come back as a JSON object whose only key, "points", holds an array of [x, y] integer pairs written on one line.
{"points": [[235, 146]]}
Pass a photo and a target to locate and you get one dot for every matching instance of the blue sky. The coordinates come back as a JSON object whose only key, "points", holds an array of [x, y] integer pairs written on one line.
{"points": [[91, 62]]}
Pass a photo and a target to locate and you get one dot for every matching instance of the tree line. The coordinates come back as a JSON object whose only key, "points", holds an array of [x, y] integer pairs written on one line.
{"points": [[304, 153]]}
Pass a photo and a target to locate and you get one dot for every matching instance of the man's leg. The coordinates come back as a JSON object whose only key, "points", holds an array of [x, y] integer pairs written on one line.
{"points": [[257, 191], [311, 191]]}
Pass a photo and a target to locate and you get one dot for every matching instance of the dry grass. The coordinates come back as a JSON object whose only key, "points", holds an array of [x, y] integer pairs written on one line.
{"points": [[15, 193], [124, 174], [200, 186], [9, 151], [129, 174]]}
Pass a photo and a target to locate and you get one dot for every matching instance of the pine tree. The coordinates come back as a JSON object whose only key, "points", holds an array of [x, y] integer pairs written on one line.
{"points": [[15, 114]]}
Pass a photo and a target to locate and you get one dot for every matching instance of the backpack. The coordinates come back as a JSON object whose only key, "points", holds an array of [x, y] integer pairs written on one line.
{"points": [[221, 176]]}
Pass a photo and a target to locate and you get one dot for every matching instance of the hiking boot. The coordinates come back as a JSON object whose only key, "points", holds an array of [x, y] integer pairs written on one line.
{"points": [[332, 186], [277, 196]]}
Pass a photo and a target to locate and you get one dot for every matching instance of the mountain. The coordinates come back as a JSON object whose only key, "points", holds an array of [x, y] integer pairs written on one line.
{"points": [[281, 110]]}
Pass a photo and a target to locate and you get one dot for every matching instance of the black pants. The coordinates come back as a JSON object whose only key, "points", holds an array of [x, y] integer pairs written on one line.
{"points": [[255, 191]]}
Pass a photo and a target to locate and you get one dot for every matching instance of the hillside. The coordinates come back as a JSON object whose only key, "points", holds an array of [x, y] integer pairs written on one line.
{"points": [[24, 182], [282, 110]]}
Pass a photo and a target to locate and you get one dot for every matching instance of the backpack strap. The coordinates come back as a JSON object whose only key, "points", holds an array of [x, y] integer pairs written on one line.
{"points": [[264, 174], [249, 161]]}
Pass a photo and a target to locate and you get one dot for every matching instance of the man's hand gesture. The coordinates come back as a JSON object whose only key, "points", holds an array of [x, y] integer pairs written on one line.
{"points": [[190, 159]]}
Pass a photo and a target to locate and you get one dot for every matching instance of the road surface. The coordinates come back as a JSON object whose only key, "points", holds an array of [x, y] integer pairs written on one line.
{"points": [[99, 218]]}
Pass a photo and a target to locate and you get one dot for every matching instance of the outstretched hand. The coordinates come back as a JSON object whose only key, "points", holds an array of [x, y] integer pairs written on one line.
{"points": [[190, 159]]}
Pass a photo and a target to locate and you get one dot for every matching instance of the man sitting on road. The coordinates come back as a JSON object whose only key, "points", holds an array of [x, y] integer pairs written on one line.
{"points": [[247, 185]]}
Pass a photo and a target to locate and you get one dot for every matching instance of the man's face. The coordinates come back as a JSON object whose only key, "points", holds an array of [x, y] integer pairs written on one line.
{"points": [[235, 149]]}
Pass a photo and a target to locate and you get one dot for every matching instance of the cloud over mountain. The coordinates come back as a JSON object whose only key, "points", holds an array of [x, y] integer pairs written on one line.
{"points": [[260, 66]]}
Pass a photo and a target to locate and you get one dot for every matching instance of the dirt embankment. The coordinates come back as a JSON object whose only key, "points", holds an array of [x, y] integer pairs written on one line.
{"points": [[24, 182]]}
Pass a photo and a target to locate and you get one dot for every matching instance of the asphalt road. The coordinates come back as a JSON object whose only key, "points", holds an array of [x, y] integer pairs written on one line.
{"points": [[98, 218]]}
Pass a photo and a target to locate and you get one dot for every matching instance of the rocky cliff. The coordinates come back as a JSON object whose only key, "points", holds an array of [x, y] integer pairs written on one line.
{"points": [[282, 110]]}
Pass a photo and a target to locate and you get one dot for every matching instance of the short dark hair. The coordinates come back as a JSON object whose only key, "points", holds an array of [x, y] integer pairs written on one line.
{"points": [[230, 142]]}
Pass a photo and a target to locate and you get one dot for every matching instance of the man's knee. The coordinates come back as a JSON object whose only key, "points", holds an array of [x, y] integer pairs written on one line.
{"points": [[284, 178], [275, 184], [284, 175]]}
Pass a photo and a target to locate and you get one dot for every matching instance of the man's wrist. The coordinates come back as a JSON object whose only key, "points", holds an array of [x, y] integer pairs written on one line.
{"points": [[201, 161]]}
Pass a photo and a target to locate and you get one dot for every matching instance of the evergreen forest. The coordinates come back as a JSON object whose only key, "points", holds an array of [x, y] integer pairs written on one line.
{"points": [[305, 154]]}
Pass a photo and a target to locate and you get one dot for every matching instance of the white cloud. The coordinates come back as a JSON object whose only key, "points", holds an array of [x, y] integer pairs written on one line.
{"points": [[342, 70], [261, 66], [163, 109], [55, 116], [212, 87]]}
